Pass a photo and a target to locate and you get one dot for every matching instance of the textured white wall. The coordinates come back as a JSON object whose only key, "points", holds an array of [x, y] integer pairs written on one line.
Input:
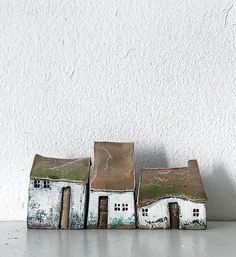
{"points": [[160, 73], [49, 202], [160, 210], [127, 217]]}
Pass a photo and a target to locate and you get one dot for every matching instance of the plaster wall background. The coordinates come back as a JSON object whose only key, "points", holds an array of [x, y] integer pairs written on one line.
{"points": [[159, 73]]}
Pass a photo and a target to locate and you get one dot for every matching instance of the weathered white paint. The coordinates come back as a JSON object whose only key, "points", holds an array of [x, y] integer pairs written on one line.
{"points": [[115, 218], [44, 206], [159, 217]]}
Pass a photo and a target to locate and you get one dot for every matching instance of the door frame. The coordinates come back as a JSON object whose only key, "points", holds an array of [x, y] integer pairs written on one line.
{"points": [[170, 215], [64, 222], [104, 197]]}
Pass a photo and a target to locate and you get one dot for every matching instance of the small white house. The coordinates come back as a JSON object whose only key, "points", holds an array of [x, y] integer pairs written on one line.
{"points": [[57, 193], [172, 198], [111, 198]]}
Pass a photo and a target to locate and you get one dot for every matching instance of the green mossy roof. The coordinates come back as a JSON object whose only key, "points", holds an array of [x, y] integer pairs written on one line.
{"points": [[60, 169], [163, 183]]}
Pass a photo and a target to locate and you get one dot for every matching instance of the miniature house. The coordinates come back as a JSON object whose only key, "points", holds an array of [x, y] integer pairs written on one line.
{"points": [[172, 198], [57, 193], [111, 198]]}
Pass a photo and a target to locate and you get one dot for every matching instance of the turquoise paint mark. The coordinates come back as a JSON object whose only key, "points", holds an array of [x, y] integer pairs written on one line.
{"points": [[91, 220], [117, 222]]}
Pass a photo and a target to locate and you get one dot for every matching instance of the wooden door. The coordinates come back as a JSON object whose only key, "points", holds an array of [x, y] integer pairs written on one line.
{"points": [[174, 215], [103, 212], [65, 208]]}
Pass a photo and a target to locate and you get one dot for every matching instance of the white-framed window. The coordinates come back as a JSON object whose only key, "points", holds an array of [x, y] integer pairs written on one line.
{"points": [[144, 212], [117, 207], [46, 184], [124, 207], [36, 183], [195, 212]]}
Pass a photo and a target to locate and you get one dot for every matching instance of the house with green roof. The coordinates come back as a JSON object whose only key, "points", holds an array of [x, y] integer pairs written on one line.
{"points": [[58, 191], [172, 198]]}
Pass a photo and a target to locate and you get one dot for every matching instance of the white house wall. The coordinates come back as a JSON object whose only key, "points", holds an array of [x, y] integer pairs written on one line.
{"points": [[44, 206], [159, 217], [116, 219]]}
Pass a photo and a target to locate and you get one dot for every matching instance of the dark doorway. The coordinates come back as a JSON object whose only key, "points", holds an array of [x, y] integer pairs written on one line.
{"points": [[174, 215], [65, 208], [103, 212]]}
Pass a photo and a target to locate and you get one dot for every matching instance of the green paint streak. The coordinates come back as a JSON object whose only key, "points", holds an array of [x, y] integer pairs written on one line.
{"points": [[91, 219], [116, 223]]}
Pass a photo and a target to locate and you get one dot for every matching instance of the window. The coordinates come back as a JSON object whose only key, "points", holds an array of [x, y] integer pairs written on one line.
{"points": [[124, 207], [36, 183], [46, 184], [145, 212], [195, 212], [117, 207]]}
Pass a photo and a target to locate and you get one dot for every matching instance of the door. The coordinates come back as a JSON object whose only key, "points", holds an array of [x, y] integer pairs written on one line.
{"points": [[65, 208], [103, 212], [174, 215]]}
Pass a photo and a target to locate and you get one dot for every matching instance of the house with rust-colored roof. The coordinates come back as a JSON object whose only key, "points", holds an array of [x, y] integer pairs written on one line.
{"points": [[112, 186], [58, 193], [172, 198]]}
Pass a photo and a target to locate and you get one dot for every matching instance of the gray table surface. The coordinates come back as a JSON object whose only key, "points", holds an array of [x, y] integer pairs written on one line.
{"points": [[218, 240]]}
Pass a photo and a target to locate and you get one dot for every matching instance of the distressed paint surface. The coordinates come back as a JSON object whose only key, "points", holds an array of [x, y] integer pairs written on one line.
{"points": [[159, 217], [44, 205], [60, 169], [113, 166], [184, 182], [116, 219]]}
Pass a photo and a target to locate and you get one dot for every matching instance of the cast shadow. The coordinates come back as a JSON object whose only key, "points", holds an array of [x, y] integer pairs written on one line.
{"points": [[152, 157], [221, 193], [149, 157]]}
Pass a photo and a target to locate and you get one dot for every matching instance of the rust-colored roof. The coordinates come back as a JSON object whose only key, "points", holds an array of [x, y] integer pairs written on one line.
{"points": [[113, 167], [76, 170], [183, 183]]}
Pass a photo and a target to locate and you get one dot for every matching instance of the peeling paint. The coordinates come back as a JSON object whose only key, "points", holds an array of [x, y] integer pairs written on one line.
{"points": [[159, 217], [44, 205], [116, 219]]}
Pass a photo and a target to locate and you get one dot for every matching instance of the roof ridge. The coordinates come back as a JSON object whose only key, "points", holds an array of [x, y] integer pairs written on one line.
{"points": [[157, 169]]}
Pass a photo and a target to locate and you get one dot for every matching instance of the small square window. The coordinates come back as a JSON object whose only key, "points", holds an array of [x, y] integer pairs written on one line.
{"points": [[36, 183], [46, 184], [124, 207], [145, 212], [117, 207], [196, 212]]}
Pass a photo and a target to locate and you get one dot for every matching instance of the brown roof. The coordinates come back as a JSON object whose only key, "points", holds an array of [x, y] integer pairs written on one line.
{"points": [[113, 167], [183, 183]]}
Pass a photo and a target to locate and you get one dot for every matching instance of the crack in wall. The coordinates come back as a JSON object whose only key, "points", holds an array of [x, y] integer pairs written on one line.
{"points": [[227, 14]]}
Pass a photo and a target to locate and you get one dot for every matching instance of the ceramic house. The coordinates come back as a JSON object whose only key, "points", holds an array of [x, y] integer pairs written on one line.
{"points": [[172, 198], [57, 193], [111, 198]]}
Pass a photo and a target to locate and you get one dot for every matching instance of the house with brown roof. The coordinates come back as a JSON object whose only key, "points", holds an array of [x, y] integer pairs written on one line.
{"points": [[172, 198], [58, 193], [112, 186]]}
